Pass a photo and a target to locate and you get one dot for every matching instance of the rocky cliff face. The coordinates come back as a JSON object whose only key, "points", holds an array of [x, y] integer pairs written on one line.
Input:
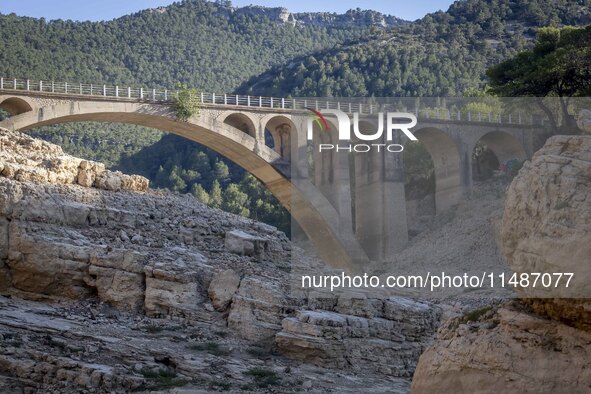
{"points": [[352, 18], [133, 289], [515, 347]]}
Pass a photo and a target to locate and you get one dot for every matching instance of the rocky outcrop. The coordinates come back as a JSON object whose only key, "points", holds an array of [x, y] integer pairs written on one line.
{"points": [[26, 159], [71, 231], [258, 307], [245, 244], [546, 228], [222, 288], [506, 351], [547, 225], [352, 18], [584, 121], [384, 336]]}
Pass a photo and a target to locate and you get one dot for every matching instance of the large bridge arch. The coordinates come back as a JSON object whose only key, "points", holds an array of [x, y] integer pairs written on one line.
{"points": [[239, 147], [446, 157]]}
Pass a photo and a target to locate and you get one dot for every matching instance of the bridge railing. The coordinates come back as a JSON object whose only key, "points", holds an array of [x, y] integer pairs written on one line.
{"points": [[167, 96]]}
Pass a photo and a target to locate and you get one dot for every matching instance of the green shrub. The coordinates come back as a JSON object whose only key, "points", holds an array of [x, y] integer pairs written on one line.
{"points": [[187, 103], [263, 377]]}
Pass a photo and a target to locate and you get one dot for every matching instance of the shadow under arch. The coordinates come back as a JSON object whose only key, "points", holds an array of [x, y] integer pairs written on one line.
{"points": [[281, 128], [447, 165], [504, 145], [228, 141], [241, 122], [16, 105]]}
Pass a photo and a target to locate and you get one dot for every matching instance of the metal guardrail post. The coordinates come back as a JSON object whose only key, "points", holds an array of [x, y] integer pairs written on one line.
{"points": [[129, 92], [201, 96], [141, 93], [283, 103], [1, 83], [80, 88], [28, 85], [248, 101], [236, 99], [225, 99], [153, 94], [260, 101], [91, 87], [104, 90], [40, 86], [66, 87], [165, 95], [52, 86], [14, 83]]}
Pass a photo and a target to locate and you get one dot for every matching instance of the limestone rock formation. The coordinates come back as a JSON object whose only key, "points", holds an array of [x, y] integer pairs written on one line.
{"points": [[511, 351], [385, 340], [547, 225], [245, 244], [148, 262], [29, 160], [584, 121], [222, 288]]}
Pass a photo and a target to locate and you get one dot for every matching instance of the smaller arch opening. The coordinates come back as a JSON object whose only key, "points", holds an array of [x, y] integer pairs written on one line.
{"points": [[484, 163], [497, 153], [15, 106], [242, 123], [280, 128]]}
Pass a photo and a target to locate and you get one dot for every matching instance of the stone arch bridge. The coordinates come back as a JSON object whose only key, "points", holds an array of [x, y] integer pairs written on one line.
{"points": [[352, 210]]}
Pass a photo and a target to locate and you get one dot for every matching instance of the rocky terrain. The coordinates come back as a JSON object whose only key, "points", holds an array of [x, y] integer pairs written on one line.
{"points": [[108, 286], [542, 343]]}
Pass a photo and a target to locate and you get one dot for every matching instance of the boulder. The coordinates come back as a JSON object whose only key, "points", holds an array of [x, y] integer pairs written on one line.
{"points": [[245, 244], [511, 352], [177, 286], [257, 309], [222, 288], [546, 225]]}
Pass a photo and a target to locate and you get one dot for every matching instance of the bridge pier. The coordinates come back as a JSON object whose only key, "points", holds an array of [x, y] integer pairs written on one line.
{"points": [[380, 204]]}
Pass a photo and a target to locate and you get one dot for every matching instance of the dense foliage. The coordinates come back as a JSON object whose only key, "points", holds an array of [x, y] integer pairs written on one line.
{"points": [[444, 54], [558, 65]]}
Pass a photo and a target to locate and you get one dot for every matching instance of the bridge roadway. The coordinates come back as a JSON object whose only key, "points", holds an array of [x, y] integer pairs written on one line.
{"points": [[352, 210]]}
